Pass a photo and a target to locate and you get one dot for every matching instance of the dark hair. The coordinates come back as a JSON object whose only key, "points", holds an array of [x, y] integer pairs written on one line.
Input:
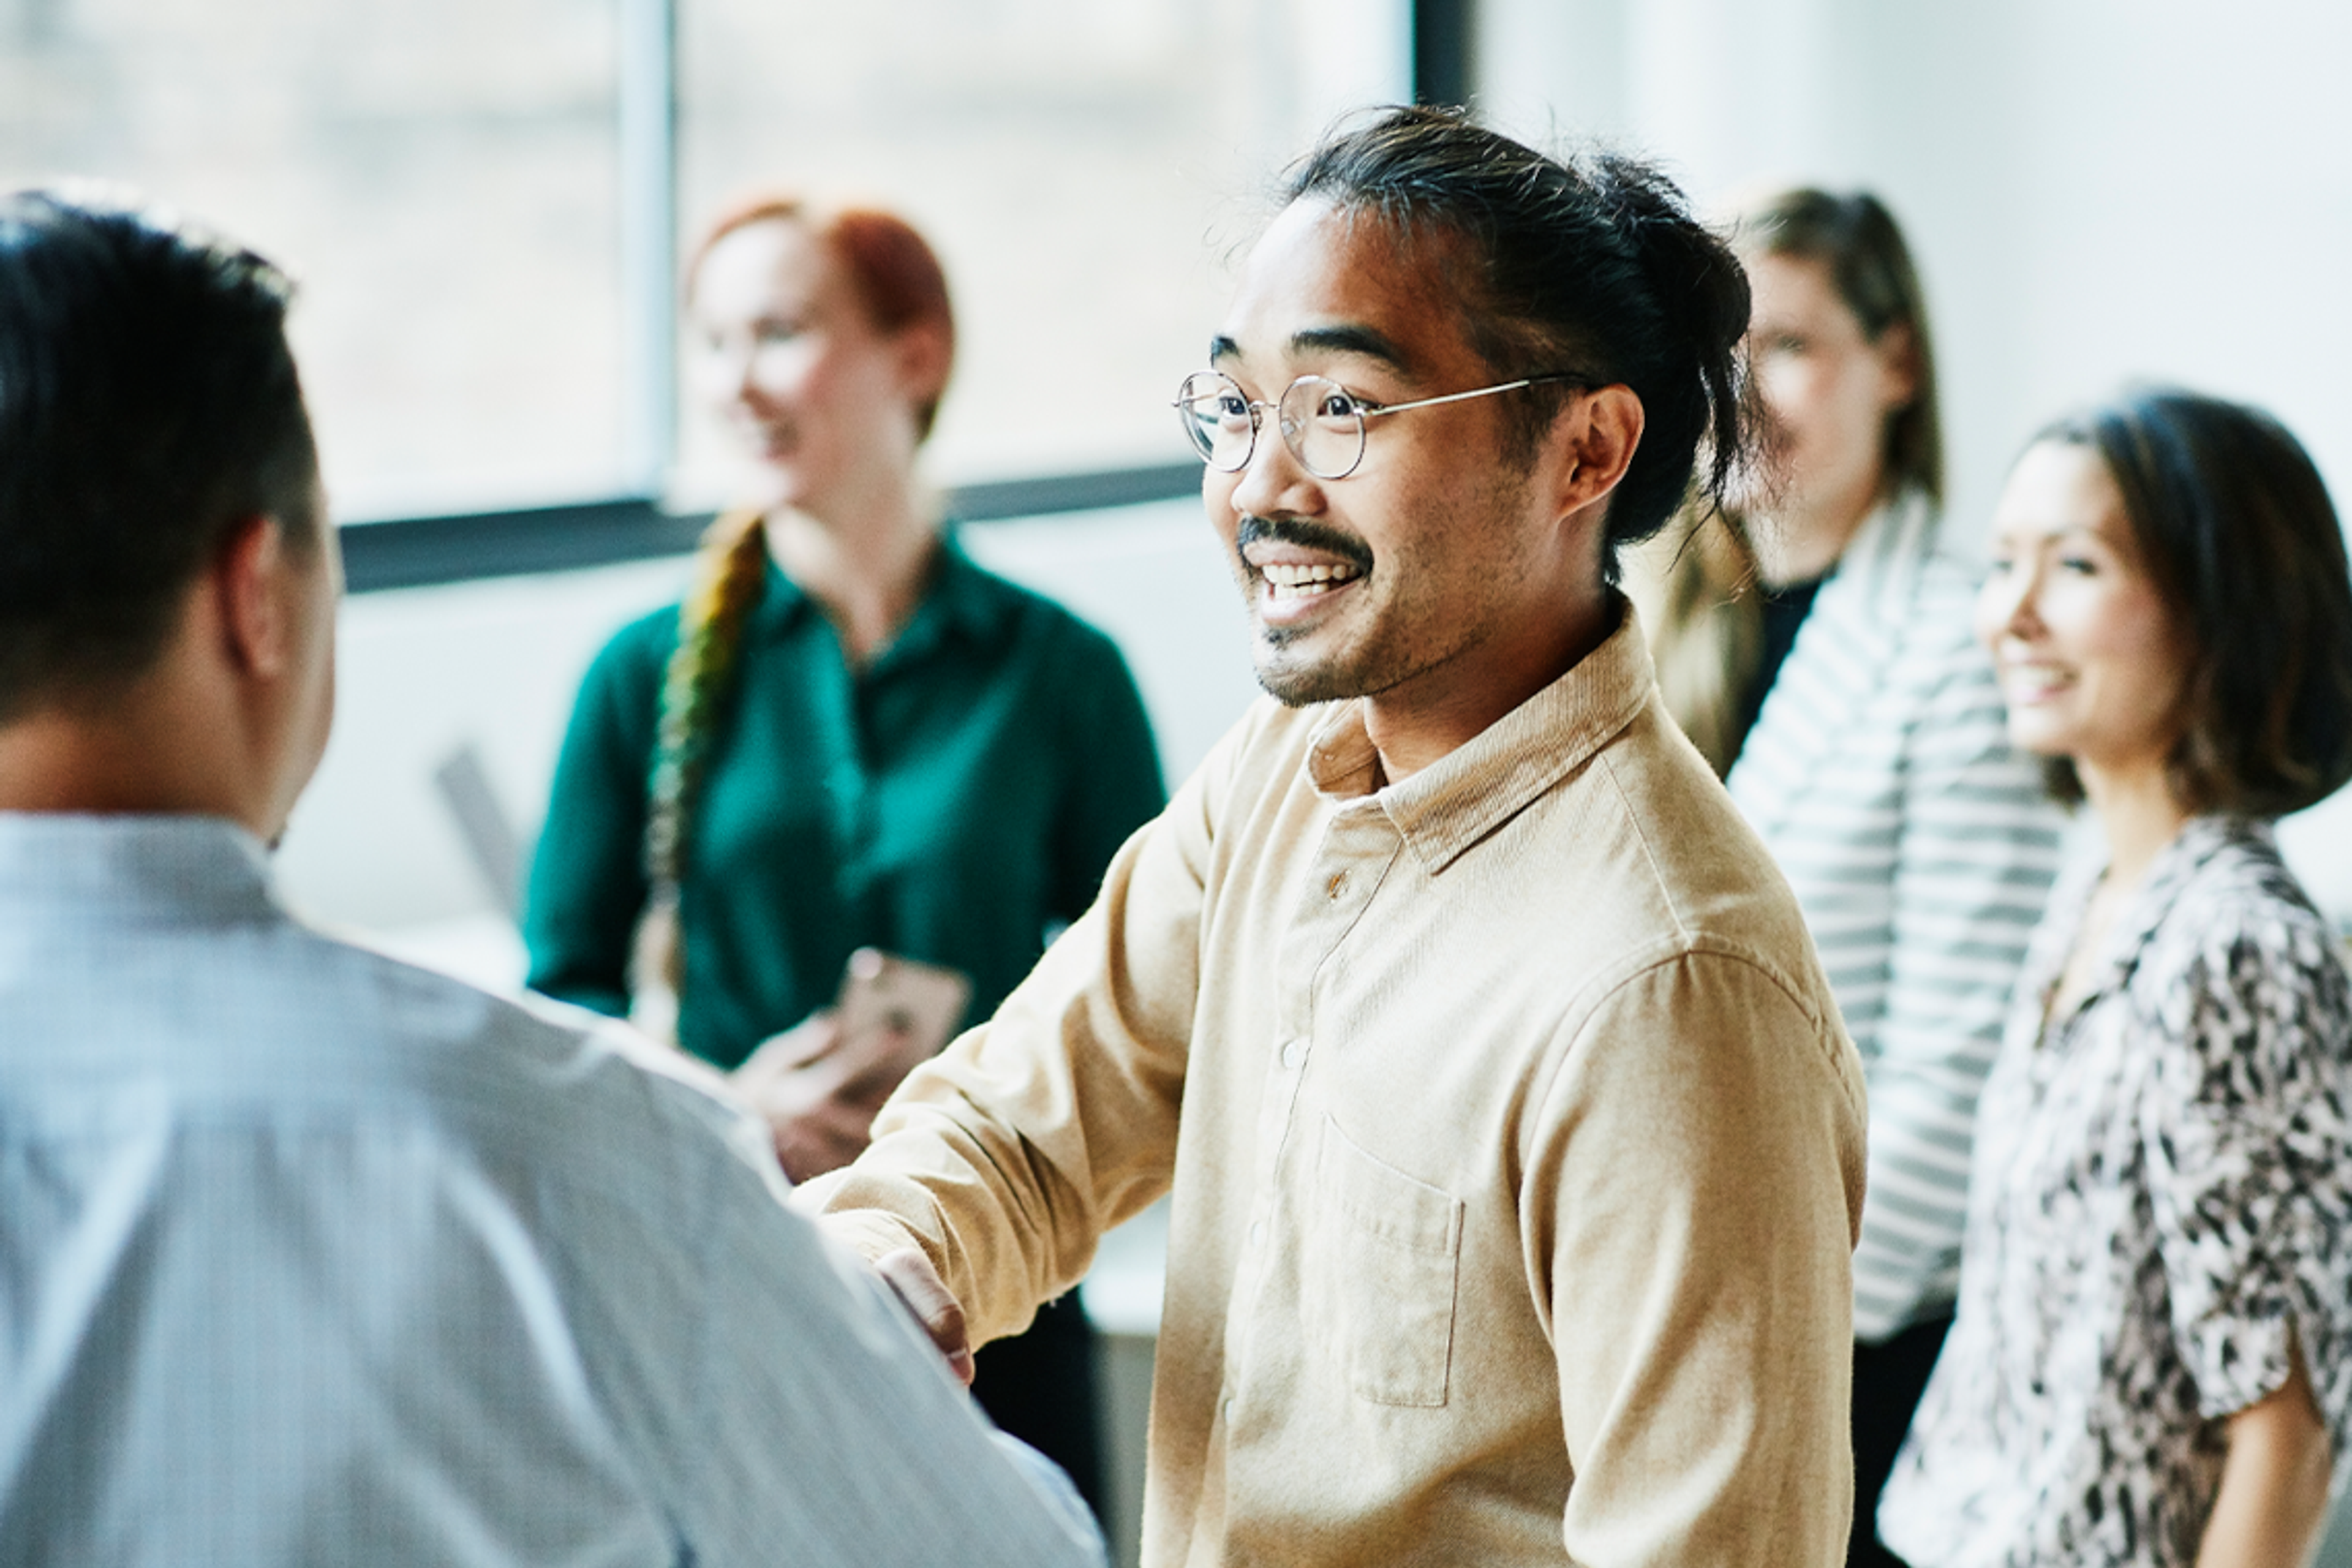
{"points": [[892, 267], [148, 403], [2242, 541], [1857, 239], [1589, 263]]}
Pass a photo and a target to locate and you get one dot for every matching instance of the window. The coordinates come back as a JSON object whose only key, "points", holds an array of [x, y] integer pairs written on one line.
{"points": [[439, 175], [472, 194]]}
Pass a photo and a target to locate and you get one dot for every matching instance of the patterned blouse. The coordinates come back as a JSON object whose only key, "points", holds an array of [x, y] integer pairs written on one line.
{"points": [[2162, 1184]]}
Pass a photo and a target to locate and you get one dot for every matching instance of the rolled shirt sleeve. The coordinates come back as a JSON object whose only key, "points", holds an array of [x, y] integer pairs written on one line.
{"points": [[2244, 1132]]}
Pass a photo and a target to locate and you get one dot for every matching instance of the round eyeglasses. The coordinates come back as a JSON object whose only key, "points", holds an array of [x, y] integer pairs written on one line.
{"points": [[1321, 422]]}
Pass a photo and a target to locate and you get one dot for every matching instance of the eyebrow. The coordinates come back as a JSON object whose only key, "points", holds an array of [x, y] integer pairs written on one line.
{"points": [[1364, 342]]}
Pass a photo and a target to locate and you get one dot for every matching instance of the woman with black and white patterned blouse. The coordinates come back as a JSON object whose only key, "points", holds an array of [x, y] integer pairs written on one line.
{"points": [[2152, 1358]]}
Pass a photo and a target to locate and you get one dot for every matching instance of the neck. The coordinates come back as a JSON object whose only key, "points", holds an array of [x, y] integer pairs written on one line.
{"points": [[1421, 720], [188, 736], [61, 761], [866, 565], [1801, 543], [2137, 813]]}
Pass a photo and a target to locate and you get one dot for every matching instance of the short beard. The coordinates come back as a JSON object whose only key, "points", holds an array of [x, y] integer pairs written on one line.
{"points": [[1387, 657], [1301, 688], [1306, 687]]}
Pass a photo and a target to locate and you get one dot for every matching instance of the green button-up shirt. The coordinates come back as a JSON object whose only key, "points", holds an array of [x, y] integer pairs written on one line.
{"points": [[951, 801]]}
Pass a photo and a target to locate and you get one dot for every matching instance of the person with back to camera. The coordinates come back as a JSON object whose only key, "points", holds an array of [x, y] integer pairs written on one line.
{"points": [[1821, 652], [2152, 1362], [311, 1257], [848, 737], [1513, 1143]]}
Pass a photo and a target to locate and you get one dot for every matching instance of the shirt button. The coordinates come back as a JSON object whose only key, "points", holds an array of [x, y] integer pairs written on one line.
{"points": [[1257, 1233], [1227, 1409], [1332, 889], [1294, 1052]]}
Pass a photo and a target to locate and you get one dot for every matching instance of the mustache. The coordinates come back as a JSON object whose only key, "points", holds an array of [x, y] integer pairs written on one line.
{"points": [[1306, 535]]}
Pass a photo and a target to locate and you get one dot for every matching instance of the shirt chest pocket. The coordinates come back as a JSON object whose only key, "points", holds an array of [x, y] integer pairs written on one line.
{"points": [[1380, 1265]]}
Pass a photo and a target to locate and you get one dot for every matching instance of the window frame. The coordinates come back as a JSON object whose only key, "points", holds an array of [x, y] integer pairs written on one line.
{"points": [[427, 550]]}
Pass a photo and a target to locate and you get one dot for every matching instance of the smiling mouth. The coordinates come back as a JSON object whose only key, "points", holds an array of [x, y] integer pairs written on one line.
{"points": [[1269, 551], [1302, 581], [2034, 683]]}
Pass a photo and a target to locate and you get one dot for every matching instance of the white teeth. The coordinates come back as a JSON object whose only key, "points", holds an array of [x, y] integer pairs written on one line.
{"points": [[1291, 582], [2031, 680]]}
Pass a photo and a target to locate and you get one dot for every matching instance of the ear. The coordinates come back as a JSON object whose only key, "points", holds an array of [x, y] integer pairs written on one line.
{"points": [[250, 595], [924, 351], [1898, 358], [1594, 438]]}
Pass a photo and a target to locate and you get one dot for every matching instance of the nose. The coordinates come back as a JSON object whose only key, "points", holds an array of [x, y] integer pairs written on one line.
{"points": [[2008, 606], [719, 373], [1274, 483], [741, 382]]}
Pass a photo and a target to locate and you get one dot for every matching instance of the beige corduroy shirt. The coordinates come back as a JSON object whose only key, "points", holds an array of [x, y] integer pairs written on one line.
{"points": [[1517, 1150]]}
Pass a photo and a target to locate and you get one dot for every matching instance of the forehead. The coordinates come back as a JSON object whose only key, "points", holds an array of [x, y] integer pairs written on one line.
{"points": [[1794, 289], [767, 261], [2062, 487], [1327, 287]]}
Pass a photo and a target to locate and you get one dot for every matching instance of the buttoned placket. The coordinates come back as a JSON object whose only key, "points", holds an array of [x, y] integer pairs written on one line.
{"points": [[1359, 846], [845, 698]]}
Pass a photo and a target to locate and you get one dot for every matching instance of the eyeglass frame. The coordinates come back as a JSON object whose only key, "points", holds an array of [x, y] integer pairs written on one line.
{"points": [[1363, 408]]}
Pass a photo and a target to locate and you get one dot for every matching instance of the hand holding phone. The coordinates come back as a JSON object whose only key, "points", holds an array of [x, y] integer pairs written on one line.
{"points": [[819, 1083], [899, 1009]]}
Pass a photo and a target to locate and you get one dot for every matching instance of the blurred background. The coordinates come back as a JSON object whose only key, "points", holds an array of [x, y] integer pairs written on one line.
{"points": [[485, 203]]}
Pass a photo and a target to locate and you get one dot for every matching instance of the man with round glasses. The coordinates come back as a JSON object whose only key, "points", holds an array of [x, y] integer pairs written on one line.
{"points": [[1516, 1144]]}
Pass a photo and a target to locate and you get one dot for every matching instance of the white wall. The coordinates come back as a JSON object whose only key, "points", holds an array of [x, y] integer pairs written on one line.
{"points": [[2097, 190], [423, 671]]}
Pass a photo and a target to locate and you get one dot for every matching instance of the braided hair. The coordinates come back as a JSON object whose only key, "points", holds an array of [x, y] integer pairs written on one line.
{"points": [[731, 575]]}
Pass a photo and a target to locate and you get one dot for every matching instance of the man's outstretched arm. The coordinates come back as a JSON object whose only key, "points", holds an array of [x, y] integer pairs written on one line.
{"points": [[1004, 1159]]}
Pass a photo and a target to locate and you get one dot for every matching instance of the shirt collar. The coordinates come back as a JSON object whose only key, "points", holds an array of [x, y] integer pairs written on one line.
{"points": [[1466, 795], [963, 601], [1886, 552], [2159, 895], [203, 869]]}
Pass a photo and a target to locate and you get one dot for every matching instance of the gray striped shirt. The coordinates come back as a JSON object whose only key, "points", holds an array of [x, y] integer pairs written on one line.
{"points": [[1921, 848]]}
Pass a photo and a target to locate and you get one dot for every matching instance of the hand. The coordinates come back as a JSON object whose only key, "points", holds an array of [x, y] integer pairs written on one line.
{"points": [[918, 1287], [818, 1092]]}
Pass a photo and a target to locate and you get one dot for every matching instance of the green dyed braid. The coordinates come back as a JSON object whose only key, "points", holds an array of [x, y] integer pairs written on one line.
{"points": [[731, 575]]}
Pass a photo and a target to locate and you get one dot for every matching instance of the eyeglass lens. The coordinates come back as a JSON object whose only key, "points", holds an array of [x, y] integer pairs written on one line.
{"points": [[1321, 424]]}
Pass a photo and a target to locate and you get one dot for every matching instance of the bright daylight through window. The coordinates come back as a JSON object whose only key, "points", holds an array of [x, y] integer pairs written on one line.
{"points": [[456, 184]]}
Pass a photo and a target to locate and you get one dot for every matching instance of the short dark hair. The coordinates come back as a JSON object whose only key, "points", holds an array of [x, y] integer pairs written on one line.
{"points": [[1857, 239], [148, 403], [1590, 263], [2238, 533]]}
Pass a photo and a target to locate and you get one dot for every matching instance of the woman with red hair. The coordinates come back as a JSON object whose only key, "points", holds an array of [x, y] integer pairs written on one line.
{"points": [[849, 736]]}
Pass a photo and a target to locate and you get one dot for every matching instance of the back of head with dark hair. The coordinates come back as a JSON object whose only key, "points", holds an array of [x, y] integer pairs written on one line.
{"points": [[1591, 264], [2237, 531], [1858, 240], [148, 403]]}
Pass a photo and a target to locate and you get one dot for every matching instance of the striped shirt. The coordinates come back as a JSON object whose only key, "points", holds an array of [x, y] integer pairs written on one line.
{"points": [[309, 1256], [1921, 847]]}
